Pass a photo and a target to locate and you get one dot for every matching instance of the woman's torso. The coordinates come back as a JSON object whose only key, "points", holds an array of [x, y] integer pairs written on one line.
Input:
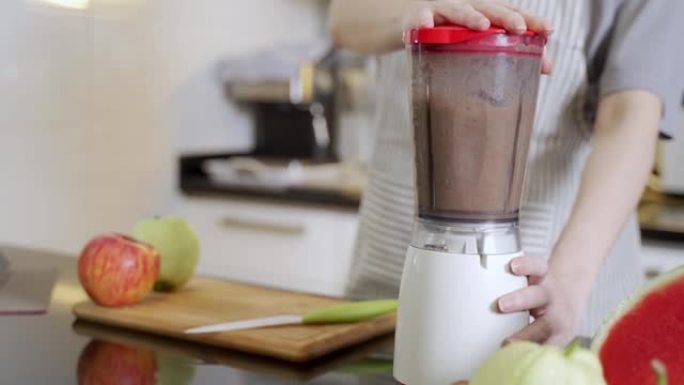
{"points": [[559, 148]]}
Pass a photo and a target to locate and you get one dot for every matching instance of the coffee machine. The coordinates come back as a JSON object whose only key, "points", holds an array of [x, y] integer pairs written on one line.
{"points": [[290, 93], [473, 97], [301, 99]]}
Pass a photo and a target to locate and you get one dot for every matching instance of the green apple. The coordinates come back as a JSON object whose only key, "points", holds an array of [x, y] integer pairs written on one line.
{"points": [[178, 247]]}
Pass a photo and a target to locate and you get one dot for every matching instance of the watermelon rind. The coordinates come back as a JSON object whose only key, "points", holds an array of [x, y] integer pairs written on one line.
{"points": [[627, 305]]}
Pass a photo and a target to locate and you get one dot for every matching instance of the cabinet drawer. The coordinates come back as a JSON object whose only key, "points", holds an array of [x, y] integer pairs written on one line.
{"points": [[294, 247]]}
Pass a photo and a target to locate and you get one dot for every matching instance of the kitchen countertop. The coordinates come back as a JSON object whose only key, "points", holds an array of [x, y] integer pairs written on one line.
{"points": [[661, 216], [49, 349], [345, 192]]}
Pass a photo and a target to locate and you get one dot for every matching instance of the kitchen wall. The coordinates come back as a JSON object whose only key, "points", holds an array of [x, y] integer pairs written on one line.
{"points": [[97, 101], [195, 36]]}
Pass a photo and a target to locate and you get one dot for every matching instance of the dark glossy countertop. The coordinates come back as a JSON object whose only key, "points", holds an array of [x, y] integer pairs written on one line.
{"points": [[55, 348], [194, 181], [661, 217]]}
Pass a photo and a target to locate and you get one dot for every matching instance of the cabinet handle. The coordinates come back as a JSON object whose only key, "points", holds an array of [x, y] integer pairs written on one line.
{"points": [[263, 226]]}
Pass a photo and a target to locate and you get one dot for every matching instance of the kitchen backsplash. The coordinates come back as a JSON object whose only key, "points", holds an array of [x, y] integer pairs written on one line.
{"points": [[99, 96], [195, 36]]}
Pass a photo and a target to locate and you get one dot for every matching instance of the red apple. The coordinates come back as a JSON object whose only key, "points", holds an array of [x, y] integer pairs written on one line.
{"points": [[116, 270], [104, 363]]}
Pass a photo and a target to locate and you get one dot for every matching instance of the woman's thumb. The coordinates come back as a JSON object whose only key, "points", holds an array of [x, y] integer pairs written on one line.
{"points": [[538, 331]]}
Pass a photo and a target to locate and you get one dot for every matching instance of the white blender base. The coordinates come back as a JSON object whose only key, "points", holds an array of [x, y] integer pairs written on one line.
{"points": [[447, 323]]}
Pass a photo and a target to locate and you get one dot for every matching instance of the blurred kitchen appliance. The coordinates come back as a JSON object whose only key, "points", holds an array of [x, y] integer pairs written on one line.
{"points": [[672, 161], [474, 96], [298, 97]]}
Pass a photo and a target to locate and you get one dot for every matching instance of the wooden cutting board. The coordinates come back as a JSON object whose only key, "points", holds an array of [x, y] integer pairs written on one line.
{"points": [[206, 301]]}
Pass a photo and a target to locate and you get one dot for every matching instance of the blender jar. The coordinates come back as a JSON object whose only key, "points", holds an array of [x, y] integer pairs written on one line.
{"points": [[474, 97]]}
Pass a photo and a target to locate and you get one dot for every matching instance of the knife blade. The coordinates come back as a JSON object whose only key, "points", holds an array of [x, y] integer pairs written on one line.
{"points": [[343, 313]]}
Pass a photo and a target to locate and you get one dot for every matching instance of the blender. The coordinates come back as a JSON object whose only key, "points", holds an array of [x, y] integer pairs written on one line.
{"points": [[474, 97]]}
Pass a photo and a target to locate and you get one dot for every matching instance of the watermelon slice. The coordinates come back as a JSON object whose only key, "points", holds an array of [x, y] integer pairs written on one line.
{"points": [[647, 327]]}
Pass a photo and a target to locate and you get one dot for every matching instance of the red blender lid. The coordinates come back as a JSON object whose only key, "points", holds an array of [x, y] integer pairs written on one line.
{"points": [[449, 34]]}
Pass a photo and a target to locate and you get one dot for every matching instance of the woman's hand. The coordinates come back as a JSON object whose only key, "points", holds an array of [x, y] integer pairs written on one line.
{"points": [[474, 14], [478, 15], [376, 27], [549, 299]]}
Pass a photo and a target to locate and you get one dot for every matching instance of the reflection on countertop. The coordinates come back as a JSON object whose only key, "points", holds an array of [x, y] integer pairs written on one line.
{"points": [[53, 349], [373, 357]]}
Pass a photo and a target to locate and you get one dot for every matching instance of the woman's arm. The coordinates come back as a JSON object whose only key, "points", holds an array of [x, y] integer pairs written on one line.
{"points": [[376, 26], [613, 180], [367, 26]]}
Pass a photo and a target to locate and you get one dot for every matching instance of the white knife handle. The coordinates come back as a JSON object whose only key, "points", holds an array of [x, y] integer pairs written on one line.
{"points": [[280, 320]]}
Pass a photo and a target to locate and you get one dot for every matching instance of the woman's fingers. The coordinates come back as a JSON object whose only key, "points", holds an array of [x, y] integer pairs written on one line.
{"points": [[529, 266], [419, 15], [427, 14], [538, 331], [525, 299], [512, 18], [503, 17], [477, 15], [538, 312], [460, 13], [537, 24]]}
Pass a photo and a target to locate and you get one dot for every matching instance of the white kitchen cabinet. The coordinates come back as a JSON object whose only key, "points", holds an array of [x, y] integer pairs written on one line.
{"points": [[662, 256], [297, 247]]}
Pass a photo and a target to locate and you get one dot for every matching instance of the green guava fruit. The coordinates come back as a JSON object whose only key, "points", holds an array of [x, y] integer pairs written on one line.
{"points": [[526, 363], [178, 247]]}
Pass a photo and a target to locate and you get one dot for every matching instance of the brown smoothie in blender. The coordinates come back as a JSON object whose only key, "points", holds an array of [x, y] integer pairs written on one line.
{"points": [[472, 132]]}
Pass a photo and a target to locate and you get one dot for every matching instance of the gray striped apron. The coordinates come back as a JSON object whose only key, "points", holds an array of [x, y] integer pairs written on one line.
{"points": [[559, 149]]}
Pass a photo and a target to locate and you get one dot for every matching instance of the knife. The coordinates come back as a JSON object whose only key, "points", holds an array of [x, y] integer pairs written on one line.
{"points": [[336, 314]]}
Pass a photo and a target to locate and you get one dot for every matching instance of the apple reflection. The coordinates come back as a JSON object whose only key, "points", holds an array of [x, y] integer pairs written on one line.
{"points": [[105, 363], [108, 363]]}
